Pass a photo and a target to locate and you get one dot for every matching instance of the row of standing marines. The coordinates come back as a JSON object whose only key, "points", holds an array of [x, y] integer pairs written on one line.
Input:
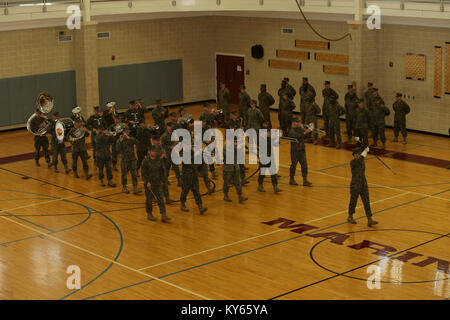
{"points": [[113, 135]]}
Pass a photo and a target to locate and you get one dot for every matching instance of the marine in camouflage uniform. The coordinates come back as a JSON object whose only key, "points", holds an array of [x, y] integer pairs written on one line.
{"points": [[401, 109], [298, 152], [114, 150], [168, 144], [362, 123], [335, 110], [255, 117], [380, 111], [231, 173], [235, 123], [265, 167], [79, 150], [265, 100], [133, 117], [93, 124], [351, 104], [371, 108], [312, 109], [359, 187], [328, 94], [244, 104], [291, 89], [161, 152], [140, 108], [125, 146], [281, 92], [305, 90], [189, 180], [152, 171], [104, 142], [40, 141], [224, 98], [286, 106], [108, 115], [209, 120], [159, 114], [143, 136], [58, 148]]}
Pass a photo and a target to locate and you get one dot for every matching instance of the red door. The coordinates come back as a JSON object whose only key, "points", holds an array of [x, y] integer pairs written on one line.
{"points": [[230, 69]]}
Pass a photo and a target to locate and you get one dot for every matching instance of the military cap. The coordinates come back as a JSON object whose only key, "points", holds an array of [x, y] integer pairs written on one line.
{"points": [[350, 86], [398, 94], [369, 84], [375, 89], [158, 100], [327, 82], [132, 102], [253, 102], [286, 79], [295, 120], [56, 114], [356, 150], [305, 79], [242, 86], [96, 107], [76, 109], [183, 108], [263, 85]]}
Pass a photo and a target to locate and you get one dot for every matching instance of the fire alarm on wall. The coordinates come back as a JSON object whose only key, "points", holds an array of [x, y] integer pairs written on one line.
{"points": [[391, 64], [113, 58]]}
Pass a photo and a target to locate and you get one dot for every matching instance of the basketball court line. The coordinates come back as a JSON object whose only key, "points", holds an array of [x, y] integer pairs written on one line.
{"points": [[378, 185], [359, 267], [262, 247], [262, 235], [104, 258]]}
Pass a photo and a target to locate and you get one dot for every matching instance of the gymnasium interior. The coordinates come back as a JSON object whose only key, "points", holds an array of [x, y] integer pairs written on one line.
{"points": [[292, 245]]}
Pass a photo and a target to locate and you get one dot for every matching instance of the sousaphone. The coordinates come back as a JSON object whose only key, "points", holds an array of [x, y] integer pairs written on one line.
{"points": [[44, 103]]}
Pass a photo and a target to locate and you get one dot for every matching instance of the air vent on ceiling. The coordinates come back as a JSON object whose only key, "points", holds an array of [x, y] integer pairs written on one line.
{"points": [[103, 35], [64, 38], [287, 30]]}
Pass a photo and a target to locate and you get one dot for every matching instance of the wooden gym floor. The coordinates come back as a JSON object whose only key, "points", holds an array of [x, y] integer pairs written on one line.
{"points": [[52, 221]]}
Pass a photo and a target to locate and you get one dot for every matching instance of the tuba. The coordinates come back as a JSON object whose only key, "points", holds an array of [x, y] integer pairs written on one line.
{"points": [[44, 103], [39, 131]]}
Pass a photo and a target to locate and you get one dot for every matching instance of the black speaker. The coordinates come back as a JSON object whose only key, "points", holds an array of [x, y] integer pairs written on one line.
{"points": [[257, 51]]}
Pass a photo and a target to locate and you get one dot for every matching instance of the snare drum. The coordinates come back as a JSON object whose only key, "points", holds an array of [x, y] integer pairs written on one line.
{"points": [[62, 128]]}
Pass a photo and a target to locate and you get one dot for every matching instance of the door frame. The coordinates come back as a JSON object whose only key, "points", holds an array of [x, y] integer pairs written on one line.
{"points": [[215, 66]]}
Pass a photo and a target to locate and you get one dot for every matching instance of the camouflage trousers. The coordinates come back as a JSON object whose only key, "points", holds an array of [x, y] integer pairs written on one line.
{"points": [[190, 183], [361, 190]]}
